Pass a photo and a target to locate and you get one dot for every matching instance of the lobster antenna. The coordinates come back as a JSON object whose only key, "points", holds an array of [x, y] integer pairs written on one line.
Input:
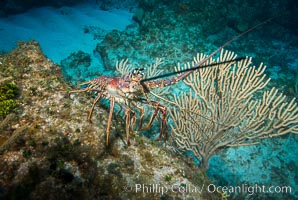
{"points": [[191, 69], [199, 65]]}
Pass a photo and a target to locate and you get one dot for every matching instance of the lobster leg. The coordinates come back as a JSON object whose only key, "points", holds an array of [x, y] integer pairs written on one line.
{"points": [[92, 85], [127, 125], [142, 111], [93, 105], [77, 91], [87, 89], [112, 105], [163, 126], [129, 122]]}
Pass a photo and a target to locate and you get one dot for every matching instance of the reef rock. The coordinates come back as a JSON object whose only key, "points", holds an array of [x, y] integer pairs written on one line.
{"points": [[54, 153], [75, 65]]}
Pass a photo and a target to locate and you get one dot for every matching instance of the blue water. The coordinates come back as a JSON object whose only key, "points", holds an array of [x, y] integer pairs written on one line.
{"points": [[176, 31]]}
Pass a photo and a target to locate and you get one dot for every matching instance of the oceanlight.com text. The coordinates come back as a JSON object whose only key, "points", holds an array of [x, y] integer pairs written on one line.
{"points": [[211, 188], [249, 189]]}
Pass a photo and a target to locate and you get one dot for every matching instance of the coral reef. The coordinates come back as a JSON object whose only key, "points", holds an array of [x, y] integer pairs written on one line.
{"points": [[54, 153], [76, 63], [228, 107], [48, 150], [178, 30]]}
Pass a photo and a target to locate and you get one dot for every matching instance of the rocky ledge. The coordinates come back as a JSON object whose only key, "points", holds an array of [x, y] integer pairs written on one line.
{"points": [[48, 150]]}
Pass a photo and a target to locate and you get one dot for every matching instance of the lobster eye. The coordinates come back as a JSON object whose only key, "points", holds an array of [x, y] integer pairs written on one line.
{"points": [[138, 71]]}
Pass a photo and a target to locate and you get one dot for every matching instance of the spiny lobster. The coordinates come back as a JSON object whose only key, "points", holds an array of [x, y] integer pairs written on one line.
{"points": [[130, 90]]}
